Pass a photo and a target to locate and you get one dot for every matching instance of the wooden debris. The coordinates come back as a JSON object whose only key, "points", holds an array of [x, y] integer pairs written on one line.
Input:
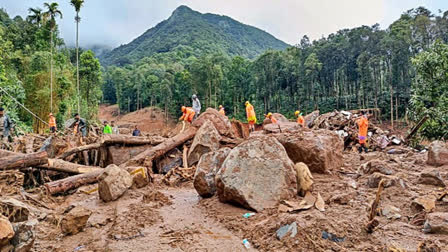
{"points": [[372, 222], [23, 160], [73, 182]]}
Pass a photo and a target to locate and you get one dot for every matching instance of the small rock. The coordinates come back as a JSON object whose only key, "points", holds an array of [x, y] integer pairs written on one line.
{"points": [[6, 231], [427, 203], [431, 177], [375, 166], [332, 237], [436, 223], [376, 177], [23, 241], [304, 178], [286, 229], [320, 203], [391, 212], [438, 154], [113, 183], [75, 221], [341, 199]]}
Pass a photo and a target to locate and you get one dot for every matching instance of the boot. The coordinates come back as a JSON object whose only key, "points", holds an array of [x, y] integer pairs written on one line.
{"points": [[360, 149], [366, 149]]}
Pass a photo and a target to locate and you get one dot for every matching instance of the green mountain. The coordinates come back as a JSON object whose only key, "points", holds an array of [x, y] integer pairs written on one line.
{"points": [[194, 33]]}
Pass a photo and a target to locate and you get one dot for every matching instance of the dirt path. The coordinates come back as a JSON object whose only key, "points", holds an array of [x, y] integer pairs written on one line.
{"points": [[183, 227]]}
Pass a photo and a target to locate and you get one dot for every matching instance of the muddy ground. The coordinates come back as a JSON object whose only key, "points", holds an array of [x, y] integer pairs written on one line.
{"points": [[174, 218]]}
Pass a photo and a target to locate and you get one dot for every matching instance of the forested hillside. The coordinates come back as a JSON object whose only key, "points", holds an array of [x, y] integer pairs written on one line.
{"points": [[190, 33], [353, 68], [38, 71]]}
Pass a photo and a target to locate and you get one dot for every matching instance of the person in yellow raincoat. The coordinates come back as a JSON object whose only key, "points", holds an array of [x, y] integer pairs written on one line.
{"points": [[363, 124], [221, 110], [272, 118], [251, 117]]}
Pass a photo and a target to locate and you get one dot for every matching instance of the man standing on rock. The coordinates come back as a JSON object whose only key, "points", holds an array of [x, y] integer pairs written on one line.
{"points": [[115, 129], [52, 123], [107, 128], [196, 106], [251, 117], [300, 119], [363, 124], [221, 110], [272, 118]]}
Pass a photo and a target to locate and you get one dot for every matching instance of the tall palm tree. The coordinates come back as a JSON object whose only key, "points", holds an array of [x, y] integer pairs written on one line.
{"points": [[78, 5], [51, 14], [36, 16]]}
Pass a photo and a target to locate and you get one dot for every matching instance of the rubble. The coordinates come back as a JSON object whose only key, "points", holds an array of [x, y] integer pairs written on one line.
{"points": [[320, 150], [25, 236], [391, 212], [375, 166], [376, 177], [113, 183], [204, 177], [75, 220], [426, 203], [436, 223], [169, 161], [290, 229], [431, 177], [438, 154], [14, 210], [256, 174], [6, 231]]}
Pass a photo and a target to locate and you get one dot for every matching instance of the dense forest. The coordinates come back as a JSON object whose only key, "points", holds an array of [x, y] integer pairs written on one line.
{"points": [[363, 67], [39, 72]]}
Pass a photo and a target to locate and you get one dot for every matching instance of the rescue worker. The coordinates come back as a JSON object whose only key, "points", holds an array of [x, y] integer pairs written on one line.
{"points": [[107, 128], [5, 126], [52, 123], [196, 105], [300, 119], [79, 126], [363, 124], [251, 117], [271, 117], [221, 110], [188, 114], [115, 129], [136, 131]]}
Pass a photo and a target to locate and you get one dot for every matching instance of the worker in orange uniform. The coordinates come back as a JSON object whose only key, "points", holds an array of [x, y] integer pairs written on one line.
{"points": [[188, 114], [52, 123], [300, 119], [251, 117], [271, 117], [221, 110], [363, 124]]}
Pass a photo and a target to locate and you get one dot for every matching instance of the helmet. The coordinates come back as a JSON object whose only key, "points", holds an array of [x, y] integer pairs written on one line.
{"points": [[220, 106], [269, 115], [246, 103], [194, 96], [183, 108], [297, 112], [51, 114]]}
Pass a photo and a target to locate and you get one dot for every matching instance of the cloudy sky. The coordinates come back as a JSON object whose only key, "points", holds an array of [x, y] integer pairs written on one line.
{"points": [[116, 22]]}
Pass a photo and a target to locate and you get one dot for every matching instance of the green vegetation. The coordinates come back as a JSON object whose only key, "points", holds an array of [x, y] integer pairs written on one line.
{"points": [[36, 69], [353, 68], [191, 33]]}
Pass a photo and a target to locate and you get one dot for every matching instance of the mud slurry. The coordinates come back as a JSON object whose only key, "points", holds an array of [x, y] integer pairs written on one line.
{"points": [[167, 219]]}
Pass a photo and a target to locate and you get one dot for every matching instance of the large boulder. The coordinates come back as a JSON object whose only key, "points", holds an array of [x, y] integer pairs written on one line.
{"points": [[204, 177], [256, 174], [206, 139], [23, 240], [118, 155], [221, 123], [113, 183], [75, 220], [320, 150], [281, 127], [240, 130], [309, 118], [6, 231], [438, 154]]}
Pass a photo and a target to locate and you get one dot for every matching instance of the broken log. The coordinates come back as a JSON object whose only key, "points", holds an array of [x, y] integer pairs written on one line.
{"points": [[5, 153], [127, 140], [371, 221], [64, 166], [29, 142], [145, 158], [73, 182], [79, 149], [23, 160], [416, 128]]}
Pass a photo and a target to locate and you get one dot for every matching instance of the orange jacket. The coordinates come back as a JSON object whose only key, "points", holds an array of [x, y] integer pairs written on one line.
{"points": [[188, 115], [363, 124], [301, 121], [250, 113], [222, 111], [52, 121], [273, 120]]}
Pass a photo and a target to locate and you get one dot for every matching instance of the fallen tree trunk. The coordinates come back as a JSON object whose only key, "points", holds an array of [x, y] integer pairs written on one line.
{"points": [[23, 160], [127, 140], [5, 153], [145, 158], [72, 151], [416, 128], [73, 182], [64, 166]]}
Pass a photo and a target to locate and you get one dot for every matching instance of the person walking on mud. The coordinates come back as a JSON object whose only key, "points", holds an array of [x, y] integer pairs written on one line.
{"points": [[196, 106], [363, 124], [251, 117]]}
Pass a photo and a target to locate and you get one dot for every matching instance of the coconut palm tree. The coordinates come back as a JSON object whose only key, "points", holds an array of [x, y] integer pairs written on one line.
{"points": [[36, 16], [78, 5], [51, 14]]}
